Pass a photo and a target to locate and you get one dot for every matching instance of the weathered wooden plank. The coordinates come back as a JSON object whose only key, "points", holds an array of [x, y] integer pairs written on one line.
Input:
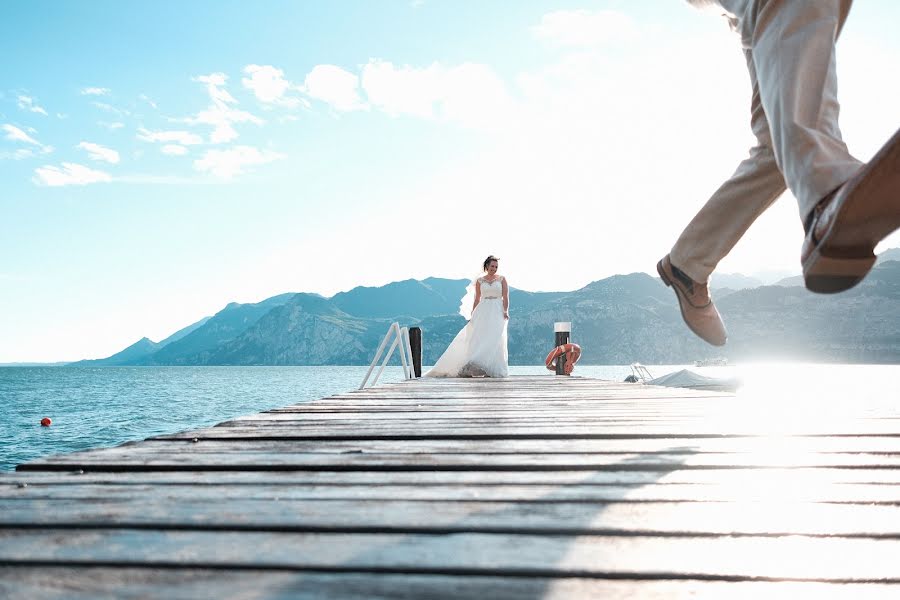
{"points": [[514, 381], [504, 404], [751, 490], [466, 417], [547, 515], [545, 429], [632, 394], [735, 445], [450, 413], [455, 412], [750, 481], [159, 456], [571, 425], [587, 397], [675, 426], [90, 583], [722, 558]]}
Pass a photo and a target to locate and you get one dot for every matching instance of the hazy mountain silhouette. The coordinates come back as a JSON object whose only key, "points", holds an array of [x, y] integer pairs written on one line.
{"points": [[418, 299], [133, 354], [225, 325], [181, 333], [617, 320]]}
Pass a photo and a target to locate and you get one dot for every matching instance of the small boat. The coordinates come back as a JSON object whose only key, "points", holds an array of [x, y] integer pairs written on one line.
{"points": [[683, 379]]}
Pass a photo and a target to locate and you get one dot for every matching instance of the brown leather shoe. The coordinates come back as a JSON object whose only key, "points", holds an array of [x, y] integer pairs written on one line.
{"points": [[839, 249], [697, 307]]}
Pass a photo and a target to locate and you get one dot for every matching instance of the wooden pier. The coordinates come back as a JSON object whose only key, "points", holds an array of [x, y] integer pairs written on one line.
{"points": [[518, 488]]}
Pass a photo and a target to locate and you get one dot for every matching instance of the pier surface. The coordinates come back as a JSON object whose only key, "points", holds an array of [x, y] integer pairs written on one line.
{"points": [[524, 487]]}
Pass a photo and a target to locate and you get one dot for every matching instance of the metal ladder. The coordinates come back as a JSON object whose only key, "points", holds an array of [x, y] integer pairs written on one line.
{"points": [[401, 338]]}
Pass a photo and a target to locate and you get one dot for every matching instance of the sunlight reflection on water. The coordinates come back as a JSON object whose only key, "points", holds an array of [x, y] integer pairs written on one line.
{"points": [[784, 398]]}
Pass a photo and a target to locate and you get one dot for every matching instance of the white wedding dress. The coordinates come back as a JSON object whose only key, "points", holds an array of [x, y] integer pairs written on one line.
{"points": [[479, 349]]}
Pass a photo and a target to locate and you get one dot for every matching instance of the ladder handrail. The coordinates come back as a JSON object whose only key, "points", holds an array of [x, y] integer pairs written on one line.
{"points": [[388, 354], [377, 356], [400, 336], [404, 337]]}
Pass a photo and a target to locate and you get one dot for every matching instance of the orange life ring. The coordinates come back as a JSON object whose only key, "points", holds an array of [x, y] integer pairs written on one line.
{"points": [[572, 352]]}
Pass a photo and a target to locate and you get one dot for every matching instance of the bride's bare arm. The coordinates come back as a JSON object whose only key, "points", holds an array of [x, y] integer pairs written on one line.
{"points": [[477, 294], [505, 298]]}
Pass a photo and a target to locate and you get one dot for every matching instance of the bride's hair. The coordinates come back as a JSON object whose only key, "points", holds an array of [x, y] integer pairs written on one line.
{"points": [[488, 261]]}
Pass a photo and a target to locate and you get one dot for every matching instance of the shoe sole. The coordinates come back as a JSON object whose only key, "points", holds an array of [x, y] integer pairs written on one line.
{"points": [[870, 213], [681, 301]]}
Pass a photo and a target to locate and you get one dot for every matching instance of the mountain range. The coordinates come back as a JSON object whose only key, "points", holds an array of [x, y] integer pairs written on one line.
{"points": [[617, 320]]}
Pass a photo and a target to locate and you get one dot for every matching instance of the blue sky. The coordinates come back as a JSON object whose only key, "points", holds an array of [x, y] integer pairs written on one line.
{"points": [[160, 159]]}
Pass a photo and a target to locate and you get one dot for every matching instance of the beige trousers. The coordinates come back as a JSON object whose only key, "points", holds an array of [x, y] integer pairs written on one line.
{"points": [[789, 47]]}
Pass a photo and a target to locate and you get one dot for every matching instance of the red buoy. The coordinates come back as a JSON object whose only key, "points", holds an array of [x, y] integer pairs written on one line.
{"points": [[45, 422]]}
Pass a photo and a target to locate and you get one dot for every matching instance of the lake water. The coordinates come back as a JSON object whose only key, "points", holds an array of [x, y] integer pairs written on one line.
{"points": [[94, 407]]}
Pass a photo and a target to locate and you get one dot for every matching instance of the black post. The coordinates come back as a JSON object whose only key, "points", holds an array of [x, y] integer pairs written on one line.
{"points": [[415, 344], [562, 331]]}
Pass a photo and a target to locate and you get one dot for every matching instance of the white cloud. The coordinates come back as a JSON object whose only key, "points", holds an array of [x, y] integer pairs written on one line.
{"points": [[214, 83], [153, 179], [112, 126], [95, 91], [17, 135], [475, 96], [28, 103], [18, 154], [98, 152], [226, 164], [585, 28], [470, 93], [269, 85], [221, 119], [404, 90], [185, 138], [220, 115], [334, 85], [174, 150], [148, 100], [69, 174], [111, 109]]}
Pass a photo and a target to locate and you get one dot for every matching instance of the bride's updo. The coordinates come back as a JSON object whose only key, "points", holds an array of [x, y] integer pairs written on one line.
{"points": [[488, 261]]}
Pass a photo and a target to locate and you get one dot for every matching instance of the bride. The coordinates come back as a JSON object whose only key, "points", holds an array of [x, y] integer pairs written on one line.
{"points": [[479, 349]]}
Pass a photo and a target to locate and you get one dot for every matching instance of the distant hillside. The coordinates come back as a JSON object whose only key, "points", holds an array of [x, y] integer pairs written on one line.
{"points": [[889, 254], [795, 281], [34, 364], [412, 298], [307, 330], [141, 350], [181, 333], [617, 320], [204, 340], [860, 325], [892, 254], [134, 353]]}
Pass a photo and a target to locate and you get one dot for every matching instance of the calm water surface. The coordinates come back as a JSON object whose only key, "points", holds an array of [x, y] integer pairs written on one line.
{"points": [[94, 407]]}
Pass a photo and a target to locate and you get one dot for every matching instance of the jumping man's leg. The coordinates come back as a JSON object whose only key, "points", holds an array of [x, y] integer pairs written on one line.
{"points": [[722, 221], [733, 208]]}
